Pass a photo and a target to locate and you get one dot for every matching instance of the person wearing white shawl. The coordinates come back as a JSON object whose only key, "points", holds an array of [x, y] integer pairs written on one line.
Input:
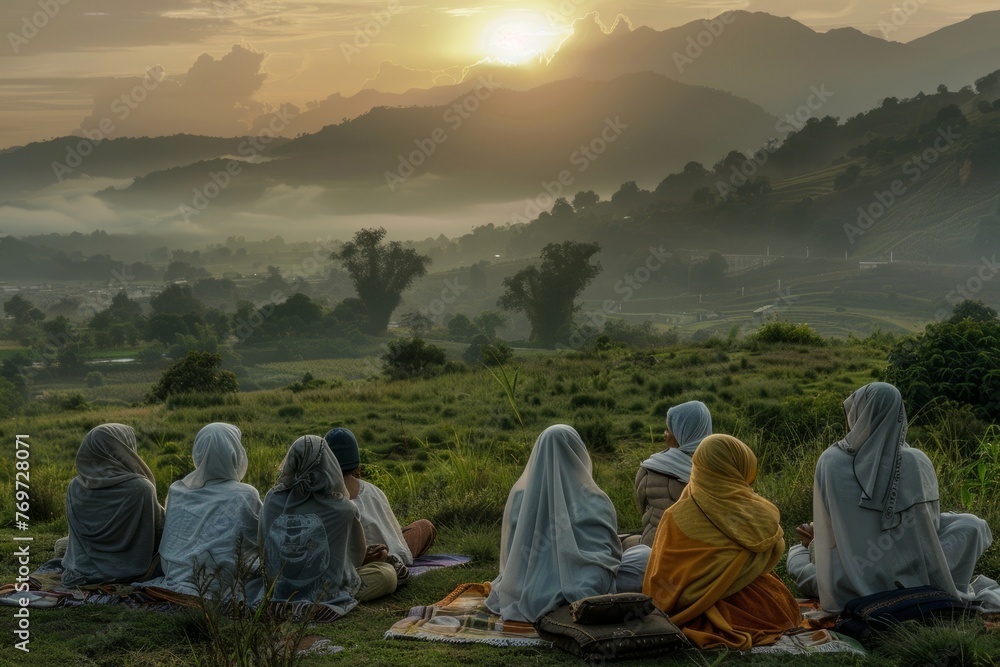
{"points": [[663, 476], [312, 536], [114, 517], [210, 515], [877, 519], [559, 541]]}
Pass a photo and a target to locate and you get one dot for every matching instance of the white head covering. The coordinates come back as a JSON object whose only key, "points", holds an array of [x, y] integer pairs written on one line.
{"points": [[690, 423], [218, 456], [559, 541], [212, 518], [312, 537], [876, 420]]}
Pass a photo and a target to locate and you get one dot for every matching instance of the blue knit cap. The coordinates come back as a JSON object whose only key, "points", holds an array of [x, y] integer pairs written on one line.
{"points": [[345, 447]]}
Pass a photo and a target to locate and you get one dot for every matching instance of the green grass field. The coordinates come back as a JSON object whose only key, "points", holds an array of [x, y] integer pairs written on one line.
{"points": [[448, 448]]}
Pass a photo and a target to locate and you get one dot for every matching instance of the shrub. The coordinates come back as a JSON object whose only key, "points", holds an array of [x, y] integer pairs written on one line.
{"points": [[291, 411], [596, 433], [95, 379], [412, 357], [196, 399], [196, 372], [489, 353], [779, 331], [73, 401], [588, 400], [949, 361]]}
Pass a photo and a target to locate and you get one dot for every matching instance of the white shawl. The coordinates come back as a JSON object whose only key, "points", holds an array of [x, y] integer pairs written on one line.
{"points": [[559, 541], [209, 514]]}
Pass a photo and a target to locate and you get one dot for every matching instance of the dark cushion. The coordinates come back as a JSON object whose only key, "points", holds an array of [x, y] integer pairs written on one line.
{"points": [[642, 636], [612, 608]]}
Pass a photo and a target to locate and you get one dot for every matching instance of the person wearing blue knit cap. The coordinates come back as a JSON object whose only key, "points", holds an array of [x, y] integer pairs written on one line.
{"points": [[381, 526]]}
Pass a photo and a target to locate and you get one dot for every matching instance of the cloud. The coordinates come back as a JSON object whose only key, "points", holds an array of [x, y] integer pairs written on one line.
{"points": [[395, 78], [214, 97], [31, 27]]}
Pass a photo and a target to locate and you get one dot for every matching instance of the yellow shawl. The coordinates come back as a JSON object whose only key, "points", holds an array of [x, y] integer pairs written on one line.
{"points": [[717, 539]]}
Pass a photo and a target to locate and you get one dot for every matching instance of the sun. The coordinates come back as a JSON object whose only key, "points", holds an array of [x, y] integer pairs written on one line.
{"points": [[521, 37]]}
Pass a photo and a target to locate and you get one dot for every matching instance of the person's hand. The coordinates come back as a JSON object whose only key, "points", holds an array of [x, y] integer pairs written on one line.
{"points": [[806, 533], [377, 553]]}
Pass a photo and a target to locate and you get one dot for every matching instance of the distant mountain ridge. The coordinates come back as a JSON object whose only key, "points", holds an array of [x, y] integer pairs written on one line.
{"points": [[769, 60], [502, 143], [773, 61]]}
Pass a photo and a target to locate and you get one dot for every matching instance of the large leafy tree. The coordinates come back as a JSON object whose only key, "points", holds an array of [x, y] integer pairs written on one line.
{"points": [[957, 360], [381, 272], [547, 293]]}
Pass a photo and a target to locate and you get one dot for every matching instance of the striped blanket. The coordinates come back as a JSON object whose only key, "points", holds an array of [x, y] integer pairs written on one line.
{"points": [[462, 618]]}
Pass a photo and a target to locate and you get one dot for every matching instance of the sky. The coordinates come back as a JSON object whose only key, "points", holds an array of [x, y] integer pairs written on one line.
{"points": [[215, 65]]}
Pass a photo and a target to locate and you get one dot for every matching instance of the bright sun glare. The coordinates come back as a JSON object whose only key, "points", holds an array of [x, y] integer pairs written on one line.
{"points": [[521, 37]]}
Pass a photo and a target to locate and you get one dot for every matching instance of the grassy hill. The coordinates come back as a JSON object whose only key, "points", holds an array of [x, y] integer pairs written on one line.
{"points": [[449, 447]]}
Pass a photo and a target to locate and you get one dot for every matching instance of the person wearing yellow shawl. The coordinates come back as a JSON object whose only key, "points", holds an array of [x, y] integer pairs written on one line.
{"points": [[710, 569]]}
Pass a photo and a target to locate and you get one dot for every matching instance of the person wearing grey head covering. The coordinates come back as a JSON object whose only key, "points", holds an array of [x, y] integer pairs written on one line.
{"points": [[114, 517], [877, 519], [211, 518], [559, 541], [663, 476], [312, 538]]}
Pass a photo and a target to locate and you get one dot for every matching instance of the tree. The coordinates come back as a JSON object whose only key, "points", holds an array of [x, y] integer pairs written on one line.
{"points": [[196, 372], [381, 272], [19, 308], [989, 85], [417, 323], [176, 299], [547, 295], [977, 311], [562, 210], [585, 199], [460, 327], [703, 196], [489, 321]]}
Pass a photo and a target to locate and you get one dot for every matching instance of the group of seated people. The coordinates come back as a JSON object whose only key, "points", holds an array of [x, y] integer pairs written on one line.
{"points": [[709, 544], [327, 536], [705, 554]]}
